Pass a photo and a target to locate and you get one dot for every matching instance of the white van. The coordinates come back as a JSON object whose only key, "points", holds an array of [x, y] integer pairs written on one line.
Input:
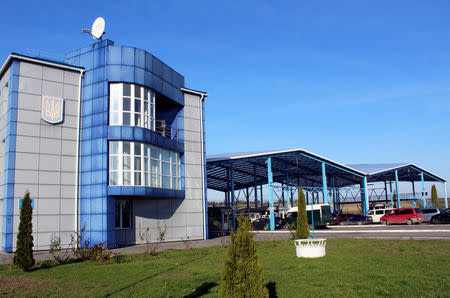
{"points": [[376, 214]]}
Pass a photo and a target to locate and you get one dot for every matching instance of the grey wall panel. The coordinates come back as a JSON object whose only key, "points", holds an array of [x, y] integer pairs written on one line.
{"points": [[30, 70], [28, 129], [49, 163], [71, 78], [45, 158], [51, 132], [30, 86], [48, 207], [52, 89], [53, 74], [29, 102], [27, 161], [49, 177], [27, 116]]}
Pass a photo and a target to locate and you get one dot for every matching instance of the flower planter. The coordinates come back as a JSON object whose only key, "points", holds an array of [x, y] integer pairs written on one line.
{"points": [[310, 248]]}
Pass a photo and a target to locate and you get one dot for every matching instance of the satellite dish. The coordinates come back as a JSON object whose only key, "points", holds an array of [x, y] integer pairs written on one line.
{"points": [[98, 28]]}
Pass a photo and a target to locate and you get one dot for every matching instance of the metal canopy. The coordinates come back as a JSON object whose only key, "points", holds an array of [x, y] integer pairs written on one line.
{"points": [[293, 167], [300, 167], [386, 172]]}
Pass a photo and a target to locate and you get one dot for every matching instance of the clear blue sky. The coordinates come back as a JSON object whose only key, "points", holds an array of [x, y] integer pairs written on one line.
{"points": [[353, 81]]}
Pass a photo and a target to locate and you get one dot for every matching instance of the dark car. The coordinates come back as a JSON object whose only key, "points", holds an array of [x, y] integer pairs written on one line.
{"points": [[428, 213], [443, 217], [261, 224], [354, 219]]}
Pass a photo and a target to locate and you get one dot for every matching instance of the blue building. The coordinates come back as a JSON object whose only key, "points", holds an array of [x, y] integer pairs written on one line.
{"points": [[109, 141]]}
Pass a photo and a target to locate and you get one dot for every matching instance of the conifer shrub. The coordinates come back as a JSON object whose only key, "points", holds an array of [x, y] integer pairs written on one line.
{"points": [[242, 272], [302, 231], [23, 257], [434, 196]]}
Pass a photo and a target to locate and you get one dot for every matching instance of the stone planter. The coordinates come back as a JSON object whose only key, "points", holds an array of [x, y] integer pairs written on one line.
{"points": [[310, 248]]}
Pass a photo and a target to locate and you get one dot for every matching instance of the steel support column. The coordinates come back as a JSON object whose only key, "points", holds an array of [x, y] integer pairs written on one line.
{"points": [[366, 197], [396, 188], [392, 194], [414, 194], [445, 195], [256, 186], [424, 202], [385, 190], [324, 184], [233, 207], [270, 181]]}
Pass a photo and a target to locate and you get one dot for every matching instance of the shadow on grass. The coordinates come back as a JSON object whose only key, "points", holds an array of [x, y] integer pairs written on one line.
{"points": [[272, 287], [202, 290]]}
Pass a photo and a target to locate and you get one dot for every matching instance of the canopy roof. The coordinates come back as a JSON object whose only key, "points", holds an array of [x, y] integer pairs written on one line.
{"points": [[297, 166], [301, 167], [405, 172]]}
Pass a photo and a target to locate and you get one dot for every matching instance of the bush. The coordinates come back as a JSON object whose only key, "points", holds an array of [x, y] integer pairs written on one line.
{"points": [[59, 254], [434, 196], [23, 257], [302, 231], [242, 273]]}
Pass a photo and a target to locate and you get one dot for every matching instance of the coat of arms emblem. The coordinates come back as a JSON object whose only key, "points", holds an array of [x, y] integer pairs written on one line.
{"points": [[52, 109]]}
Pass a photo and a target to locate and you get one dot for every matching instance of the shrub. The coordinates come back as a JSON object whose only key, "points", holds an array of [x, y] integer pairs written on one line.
{"points": [[242, 272], [150, 249], [61, 256], [302, 231], [23, 257], [434, 196]]}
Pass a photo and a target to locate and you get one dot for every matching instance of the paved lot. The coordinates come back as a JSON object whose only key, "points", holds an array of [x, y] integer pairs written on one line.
{"points": [[422, 231], [418, 232]]}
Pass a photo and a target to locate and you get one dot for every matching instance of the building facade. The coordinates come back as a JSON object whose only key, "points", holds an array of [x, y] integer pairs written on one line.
{"points": [[113, 146]]}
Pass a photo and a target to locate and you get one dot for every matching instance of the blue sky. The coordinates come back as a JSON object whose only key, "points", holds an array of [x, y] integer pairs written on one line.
{"points": [[353, 81]]}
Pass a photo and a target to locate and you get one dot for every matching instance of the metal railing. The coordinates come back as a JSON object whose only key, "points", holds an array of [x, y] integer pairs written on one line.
{"points": [[50, 56], [166, 130]]}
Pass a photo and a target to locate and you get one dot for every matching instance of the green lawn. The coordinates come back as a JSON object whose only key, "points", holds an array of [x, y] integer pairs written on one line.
{"points": [[351, 268]]}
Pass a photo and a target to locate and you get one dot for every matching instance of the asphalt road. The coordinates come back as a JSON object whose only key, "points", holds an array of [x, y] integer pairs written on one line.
{"points": [[421, 231]]}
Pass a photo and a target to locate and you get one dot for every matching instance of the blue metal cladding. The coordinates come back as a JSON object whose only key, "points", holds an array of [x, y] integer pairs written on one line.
{"points": [[10, 158], [105, 63], [139, 134]]}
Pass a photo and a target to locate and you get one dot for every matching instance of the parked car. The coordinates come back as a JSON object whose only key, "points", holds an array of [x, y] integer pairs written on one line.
{"points": [[376, 214], [443, 217], [402, 215], [261, 224], [353, 219], [430, 212], [253, 216]]}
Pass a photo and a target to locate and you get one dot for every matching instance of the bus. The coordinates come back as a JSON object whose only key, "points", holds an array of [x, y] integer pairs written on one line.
{"points": [[322, 215]]}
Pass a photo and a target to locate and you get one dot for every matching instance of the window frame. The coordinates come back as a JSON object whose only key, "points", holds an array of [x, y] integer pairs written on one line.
{"points": [[122, 204], [153, 176], [146, 100]]}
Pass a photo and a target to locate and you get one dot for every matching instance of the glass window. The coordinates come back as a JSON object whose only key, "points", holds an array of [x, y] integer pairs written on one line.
{"points": [[138, 164], [131, 105], [123, 214]]}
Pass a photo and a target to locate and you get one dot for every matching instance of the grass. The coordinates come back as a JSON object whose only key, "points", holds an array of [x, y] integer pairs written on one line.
{"points": [[352, 267]]}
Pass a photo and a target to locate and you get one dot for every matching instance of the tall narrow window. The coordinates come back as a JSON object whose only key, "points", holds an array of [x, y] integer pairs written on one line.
{"points": [[123, 214]]}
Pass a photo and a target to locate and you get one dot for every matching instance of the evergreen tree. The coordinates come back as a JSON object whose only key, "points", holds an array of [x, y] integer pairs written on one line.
{"points": [[302, 231], [434, 196], [23, 257], [242, 272]]}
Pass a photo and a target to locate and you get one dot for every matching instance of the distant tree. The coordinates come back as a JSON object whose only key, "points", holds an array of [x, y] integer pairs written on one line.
{"points": [[434, 196], [242, 272], [302, 231], [23, 257]]}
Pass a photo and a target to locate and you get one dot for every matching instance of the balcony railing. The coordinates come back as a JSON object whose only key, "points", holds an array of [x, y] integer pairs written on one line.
{"points": [[165, 130]]}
